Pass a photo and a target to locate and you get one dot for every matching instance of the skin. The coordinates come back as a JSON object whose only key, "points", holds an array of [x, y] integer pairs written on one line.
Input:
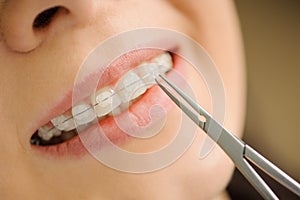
{"points": [[37, 65]]}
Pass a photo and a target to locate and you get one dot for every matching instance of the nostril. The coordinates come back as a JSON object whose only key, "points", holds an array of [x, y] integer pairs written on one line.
{"points": [[43, 19], [25, 26]]}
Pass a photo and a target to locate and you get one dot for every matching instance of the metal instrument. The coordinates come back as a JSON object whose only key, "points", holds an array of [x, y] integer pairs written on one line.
{"points": [[239, 152]]}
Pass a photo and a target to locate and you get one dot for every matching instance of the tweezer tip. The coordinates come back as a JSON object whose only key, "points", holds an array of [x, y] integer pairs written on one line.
{"points": [[157, 79]]}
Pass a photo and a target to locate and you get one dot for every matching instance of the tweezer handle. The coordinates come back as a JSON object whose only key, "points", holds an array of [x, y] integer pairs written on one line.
{"points": [[235, 149], [272, 170]]}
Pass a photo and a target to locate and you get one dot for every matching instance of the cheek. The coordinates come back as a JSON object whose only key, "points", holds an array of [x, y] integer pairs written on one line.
{"points": [[137, 14], [205, 178]]}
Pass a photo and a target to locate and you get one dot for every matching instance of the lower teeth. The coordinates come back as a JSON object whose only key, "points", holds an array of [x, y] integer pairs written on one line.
{"points": [[36, 140]]}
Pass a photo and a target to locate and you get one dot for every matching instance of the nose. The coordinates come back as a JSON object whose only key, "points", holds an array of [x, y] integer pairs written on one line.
{"points": [[27, 23]]}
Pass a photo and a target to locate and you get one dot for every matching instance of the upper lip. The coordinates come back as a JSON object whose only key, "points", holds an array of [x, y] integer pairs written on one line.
{"points": [[111, 74]]}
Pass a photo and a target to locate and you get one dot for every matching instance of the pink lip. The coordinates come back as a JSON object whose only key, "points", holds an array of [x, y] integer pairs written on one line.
{"points": [[74, 146]]}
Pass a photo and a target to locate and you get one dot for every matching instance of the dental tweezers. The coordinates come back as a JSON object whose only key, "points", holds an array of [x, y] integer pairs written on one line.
{"points": [[239, 152]]}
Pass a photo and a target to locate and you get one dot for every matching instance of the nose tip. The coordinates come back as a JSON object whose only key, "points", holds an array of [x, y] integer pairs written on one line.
{"points": [[26, 24]]}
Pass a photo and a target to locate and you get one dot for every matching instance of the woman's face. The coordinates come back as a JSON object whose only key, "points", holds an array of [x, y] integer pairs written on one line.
{"points": [[39, 60]]}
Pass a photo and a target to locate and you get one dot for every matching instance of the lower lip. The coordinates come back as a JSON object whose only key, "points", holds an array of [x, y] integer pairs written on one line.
{"points": [[74, 147]]}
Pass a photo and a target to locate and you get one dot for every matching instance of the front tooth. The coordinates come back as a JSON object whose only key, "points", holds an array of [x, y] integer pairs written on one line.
{"points": [[47, 131], [64, 122], [130, 86], [164, 61], [148, 72], [117, 110], [83, 114], [105, 101]]}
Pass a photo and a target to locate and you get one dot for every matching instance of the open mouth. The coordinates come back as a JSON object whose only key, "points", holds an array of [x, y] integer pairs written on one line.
{"points": [[107, 101]]}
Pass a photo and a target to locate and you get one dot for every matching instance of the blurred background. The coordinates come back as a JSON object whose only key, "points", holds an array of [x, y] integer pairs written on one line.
{"points": [[271, 32]]}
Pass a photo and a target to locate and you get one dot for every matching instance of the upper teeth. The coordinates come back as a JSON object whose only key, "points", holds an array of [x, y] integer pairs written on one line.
{"points": [[64, 122], [108, 100], [83, 114], [104, 101], [130, 86], [48, 131]]}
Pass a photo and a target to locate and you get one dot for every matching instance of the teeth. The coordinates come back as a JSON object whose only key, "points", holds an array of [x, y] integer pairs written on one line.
{"points": [[47, 132], [116, 111], [105, 101], [108, 101], [130, 87], [148, 72], [164, 61], [83, 114], [64, 122]]}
